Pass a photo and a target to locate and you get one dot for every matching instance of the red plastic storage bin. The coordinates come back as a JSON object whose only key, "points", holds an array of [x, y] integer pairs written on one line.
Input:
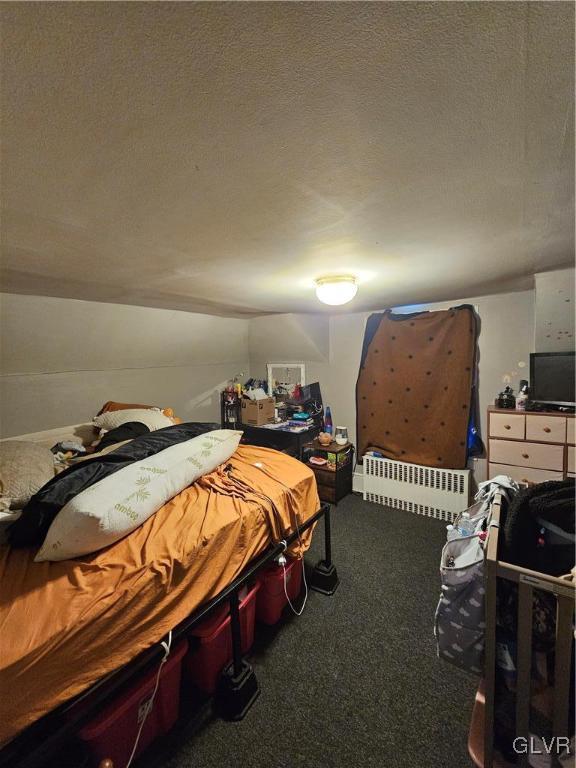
{"points": [[213, 647], [112, 733], [271, 599]]}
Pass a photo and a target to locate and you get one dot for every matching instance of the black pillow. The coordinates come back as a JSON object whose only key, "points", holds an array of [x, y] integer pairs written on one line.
{"points": [[32, 526], [128, 431]]}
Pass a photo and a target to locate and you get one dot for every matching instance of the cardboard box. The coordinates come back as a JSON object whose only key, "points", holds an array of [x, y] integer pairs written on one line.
{"points": [[258, 412]]}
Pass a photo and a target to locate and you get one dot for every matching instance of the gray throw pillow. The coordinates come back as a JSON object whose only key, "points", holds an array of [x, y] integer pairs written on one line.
{"points": [[24, 468]]}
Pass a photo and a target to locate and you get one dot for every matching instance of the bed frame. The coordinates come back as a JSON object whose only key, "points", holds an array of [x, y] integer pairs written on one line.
{"points": [[238, 688], [481, 738]]}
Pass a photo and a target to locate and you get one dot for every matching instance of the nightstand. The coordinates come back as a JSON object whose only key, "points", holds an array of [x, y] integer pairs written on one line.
{"points": [[334, 479]]}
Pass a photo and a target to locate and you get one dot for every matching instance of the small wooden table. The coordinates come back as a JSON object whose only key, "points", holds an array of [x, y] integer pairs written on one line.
{"points": [[335, 479]]}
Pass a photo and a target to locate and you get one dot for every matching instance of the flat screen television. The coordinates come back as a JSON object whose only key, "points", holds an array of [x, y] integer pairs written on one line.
{"points": [[552, 378]]}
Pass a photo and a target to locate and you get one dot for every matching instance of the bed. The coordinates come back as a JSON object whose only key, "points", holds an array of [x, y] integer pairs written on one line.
{"points": [[67, 625]]}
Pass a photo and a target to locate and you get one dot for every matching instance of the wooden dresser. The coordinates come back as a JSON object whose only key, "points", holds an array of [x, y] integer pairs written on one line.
{"points": [[531, 447]]}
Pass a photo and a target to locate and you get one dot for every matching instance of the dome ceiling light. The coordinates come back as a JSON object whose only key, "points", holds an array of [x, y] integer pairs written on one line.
{"points": [[336, 289]]}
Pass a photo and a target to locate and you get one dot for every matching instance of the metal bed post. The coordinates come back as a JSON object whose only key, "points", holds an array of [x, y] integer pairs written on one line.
{"points": [[238, 688], [236, 633], [327, 539], [324, 576]]}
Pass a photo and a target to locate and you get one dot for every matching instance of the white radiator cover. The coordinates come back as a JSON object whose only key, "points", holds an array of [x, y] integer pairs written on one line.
{"points": [[438, 493]]}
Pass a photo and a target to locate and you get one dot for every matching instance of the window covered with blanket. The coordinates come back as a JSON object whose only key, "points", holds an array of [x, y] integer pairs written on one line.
{"points": [[415, 394]]}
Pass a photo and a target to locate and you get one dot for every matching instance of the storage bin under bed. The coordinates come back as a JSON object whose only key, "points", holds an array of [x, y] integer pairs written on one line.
{"points": [[271, 599], [211, 642], [112, 733]]}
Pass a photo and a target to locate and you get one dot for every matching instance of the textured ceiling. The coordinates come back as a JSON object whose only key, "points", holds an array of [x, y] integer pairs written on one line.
{"points": [[217, 157]]}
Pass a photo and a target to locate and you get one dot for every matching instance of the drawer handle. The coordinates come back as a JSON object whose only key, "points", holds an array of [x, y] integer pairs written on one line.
{"points": [[547, 429], [507, 426], [525, 456]]}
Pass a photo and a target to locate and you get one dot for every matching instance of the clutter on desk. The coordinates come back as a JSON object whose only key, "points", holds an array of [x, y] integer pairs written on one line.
{"points": [[257, 412], [328, 455], [506, 399], [297, 410], [287, 426], [301, 419], [328, 420], [258, 393], [284, 379], [230, 404], [341, 435], [522, 397]]}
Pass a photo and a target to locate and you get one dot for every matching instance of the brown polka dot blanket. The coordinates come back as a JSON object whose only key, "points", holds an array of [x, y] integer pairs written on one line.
{"points": [[414, 389]]}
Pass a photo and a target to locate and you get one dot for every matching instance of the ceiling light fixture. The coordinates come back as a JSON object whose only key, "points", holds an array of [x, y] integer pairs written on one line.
{"points": [[337, 289]]}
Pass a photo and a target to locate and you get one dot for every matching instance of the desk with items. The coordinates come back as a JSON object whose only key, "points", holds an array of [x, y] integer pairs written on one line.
{"points": [[293, 426]]}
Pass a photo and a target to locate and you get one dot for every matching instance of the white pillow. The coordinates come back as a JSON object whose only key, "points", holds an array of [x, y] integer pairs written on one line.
{"points": [[152, 418], [121, 502]]}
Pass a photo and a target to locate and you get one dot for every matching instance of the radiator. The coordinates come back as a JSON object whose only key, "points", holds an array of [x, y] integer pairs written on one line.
{"points": [[439, 493]]}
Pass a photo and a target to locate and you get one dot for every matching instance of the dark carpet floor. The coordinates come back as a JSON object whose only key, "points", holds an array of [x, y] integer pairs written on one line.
{"points": [[355, 681]]}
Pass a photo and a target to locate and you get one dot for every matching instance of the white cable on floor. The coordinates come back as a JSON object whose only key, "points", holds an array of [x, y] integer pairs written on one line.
{"points": [[300, 612], [150, 703]]}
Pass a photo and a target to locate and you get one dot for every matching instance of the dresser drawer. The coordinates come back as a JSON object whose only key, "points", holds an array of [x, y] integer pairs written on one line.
{"points": [[327, 493], [549, 429], [571, 459], [507, 425], [570, 431], [324, 476], [533, 455], [523, 474]]}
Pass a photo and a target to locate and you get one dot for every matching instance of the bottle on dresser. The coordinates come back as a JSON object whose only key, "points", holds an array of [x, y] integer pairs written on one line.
{"points": [[522, 397], [328, 420]]}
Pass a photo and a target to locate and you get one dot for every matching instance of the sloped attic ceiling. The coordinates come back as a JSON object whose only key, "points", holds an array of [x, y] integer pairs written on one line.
{"points": [[217, 157]]}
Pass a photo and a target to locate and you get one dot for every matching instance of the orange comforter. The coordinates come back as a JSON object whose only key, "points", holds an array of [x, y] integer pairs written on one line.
{"points": [[65, 625]]}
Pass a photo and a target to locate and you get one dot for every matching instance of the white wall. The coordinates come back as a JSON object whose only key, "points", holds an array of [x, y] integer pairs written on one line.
{"points": [[61, 359], [289, 339], [505, 342], [555, 311]]}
